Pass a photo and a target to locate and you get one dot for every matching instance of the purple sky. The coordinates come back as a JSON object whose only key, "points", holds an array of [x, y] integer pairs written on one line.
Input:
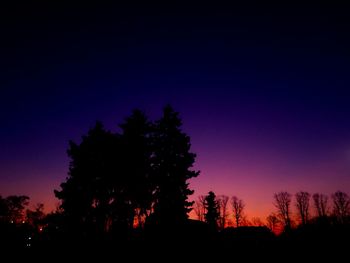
{"points": [[263, 92]]}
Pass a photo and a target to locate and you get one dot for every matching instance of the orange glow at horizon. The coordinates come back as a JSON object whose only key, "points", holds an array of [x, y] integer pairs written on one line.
{"points": [[225, 175]]}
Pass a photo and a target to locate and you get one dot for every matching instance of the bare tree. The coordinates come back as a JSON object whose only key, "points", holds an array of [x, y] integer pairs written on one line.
{"points": [[223, 202], [302, 204], [321, 204], [341, 206], [238, 207], [199, 208], [282, 203], [272, 222], [202, 202]]}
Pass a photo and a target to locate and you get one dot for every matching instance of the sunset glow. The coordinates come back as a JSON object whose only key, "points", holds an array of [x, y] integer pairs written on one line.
{"points": [[266, 104]]}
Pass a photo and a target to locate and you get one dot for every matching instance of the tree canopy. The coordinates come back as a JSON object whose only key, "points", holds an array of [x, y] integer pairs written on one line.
{"points": [[118, 179]]}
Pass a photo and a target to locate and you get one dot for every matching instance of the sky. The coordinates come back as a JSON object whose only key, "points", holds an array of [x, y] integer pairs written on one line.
{"points": [[263, 91]]}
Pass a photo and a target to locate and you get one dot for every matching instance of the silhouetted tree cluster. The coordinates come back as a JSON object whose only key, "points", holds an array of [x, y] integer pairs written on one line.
{"points": [[36, 216], [222, 210], [339, 214], [12, 208], [18, 224], [283, 220], [119, 180]]}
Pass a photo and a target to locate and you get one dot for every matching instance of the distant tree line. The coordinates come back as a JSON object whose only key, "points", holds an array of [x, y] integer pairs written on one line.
{"points": [[216, 211], [338, 210], [19, 224]]}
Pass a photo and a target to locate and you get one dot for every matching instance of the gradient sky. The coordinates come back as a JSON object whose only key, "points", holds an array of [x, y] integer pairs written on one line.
{"points": [[263, 91]]}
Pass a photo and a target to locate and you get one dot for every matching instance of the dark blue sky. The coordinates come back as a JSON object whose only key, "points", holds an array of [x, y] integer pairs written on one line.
{"points": [[263, 90]]}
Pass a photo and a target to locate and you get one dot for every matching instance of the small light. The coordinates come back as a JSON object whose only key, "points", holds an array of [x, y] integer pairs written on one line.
{"points": [[23, 222], [29, 238]]}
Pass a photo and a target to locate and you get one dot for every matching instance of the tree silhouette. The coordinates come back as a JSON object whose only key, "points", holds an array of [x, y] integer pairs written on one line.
{"points": [[15, 207], [238, 209], [92, 186], [212, 210], [201, 200], [341, 206], [172, 163], [137, 151], [302, 205], [282, 203], [199, 208], [223, 202], [117, 179], [272, 222], [36, 216], [321, 203]]}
